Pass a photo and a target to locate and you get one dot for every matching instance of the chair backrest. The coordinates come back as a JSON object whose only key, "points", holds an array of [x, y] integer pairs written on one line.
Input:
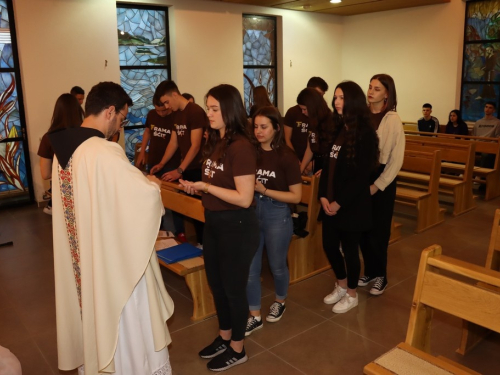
{"points": [[493, 257], [424, 162], [440, 285]]}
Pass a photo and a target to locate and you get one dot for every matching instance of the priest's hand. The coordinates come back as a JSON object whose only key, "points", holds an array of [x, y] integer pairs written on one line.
{"points": [[154, 179]]}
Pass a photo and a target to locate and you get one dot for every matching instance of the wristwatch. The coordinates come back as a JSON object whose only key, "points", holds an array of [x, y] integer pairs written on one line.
{"points": [[180, 170]]}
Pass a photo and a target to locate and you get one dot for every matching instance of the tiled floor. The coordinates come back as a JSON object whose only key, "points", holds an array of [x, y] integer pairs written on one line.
{"points": [[309, 339]]}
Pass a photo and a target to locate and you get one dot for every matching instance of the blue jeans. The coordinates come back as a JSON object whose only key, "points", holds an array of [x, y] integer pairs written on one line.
{"points": [[276, 229]]}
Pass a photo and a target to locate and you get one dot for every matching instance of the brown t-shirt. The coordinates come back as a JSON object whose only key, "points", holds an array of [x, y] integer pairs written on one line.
{"points": [[45, 149], [299, 123], [334, 154], [161, 129], [376, 119], [191, 118], [277, 171], [240, 160]]}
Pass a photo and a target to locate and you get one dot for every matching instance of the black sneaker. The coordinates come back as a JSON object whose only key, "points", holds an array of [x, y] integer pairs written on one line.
{"points": [[379, 286], [365, 280], [219, 346], [227, 360], [253, 325], [276, 312]]}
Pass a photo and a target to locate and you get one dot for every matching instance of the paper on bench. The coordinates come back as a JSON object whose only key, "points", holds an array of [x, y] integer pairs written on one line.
{"points": [[166, 243]]}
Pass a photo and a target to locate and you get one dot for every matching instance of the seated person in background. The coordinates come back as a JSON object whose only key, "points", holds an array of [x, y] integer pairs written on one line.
{"points": [[297, 124], [428, 123], [189, 97], [455, 124], [488, 126]]}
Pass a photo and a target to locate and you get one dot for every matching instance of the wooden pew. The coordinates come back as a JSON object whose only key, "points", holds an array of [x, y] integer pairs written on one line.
{"points": [[472, 334], [395, 231], [453, 151], [488, 176], [306, 257], [196, 278], [447, 292], [426, 201]]}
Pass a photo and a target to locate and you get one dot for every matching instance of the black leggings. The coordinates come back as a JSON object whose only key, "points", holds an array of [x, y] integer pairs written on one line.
{"points": [[231, 239], [348, 265], [374, 243]]}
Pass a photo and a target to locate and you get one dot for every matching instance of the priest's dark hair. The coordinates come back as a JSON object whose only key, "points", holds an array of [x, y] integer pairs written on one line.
{"points": [[104, 95], [234, 116], [67, 113]]}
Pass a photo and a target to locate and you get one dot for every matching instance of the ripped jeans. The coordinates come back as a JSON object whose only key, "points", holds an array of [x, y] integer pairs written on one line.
{"points": [[276, 230]]}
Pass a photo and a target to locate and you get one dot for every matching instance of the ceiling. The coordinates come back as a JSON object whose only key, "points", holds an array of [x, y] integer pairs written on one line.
{"points": [[345, 8]]}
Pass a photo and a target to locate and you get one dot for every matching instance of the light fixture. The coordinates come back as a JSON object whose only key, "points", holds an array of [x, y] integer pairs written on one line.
{"points": [[335, 1]]}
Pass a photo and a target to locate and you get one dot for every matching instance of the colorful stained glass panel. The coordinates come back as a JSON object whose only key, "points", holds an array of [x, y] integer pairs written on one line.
{"points": [[141, 84], [259, 40], [141, 37], [475, 96], [13, 176], [481, 62], [10, 123], [482, 20]]}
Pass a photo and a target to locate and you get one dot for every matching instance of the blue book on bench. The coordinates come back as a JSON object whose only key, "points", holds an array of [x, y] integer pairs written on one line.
{"points": [[177, 253]]}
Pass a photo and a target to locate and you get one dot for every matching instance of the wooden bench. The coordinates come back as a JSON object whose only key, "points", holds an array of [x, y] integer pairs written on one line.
{"points": [[488, 176], [426, 201], [306, 256], [440, 286], [453, 151], [196, 278], [472, 334]]}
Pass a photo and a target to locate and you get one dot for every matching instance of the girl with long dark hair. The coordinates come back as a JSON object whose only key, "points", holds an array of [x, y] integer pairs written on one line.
{"points": [[231, 232], [67, 114], [313, 105], [382, 101], [455, 124], [278, 185], [344, 191]]}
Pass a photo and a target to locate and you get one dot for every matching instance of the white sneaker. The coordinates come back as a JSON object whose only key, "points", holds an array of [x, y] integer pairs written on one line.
{"points": [[336, 295], [345, 304], [48, 210]]}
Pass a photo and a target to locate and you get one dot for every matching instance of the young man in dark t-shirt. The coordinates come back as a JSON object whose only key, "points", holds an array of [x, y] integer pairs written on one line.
{"points": [[297, 124], [158, 132], [189, 121], [428, 123]]}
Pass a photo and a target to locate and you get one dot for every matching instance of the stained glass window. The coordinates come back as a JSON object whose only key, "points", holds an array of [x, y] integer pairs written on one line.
{"points": [[481, 63], [144, 62], [15, 170], [259, 56]]}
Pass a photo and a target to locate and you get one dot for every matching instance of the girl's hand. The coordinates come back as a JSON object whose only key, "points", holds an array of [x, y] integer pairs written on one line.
{"points": [[192, 187], [259, 187], [334, 207], [326, 206], [373, 189]]}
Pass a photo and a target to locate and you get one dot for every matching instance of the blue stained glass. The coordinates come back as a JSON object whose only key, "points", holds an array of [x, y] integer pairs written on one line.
{"points": [[132, 137], [141, 85], [4, 15], [474, 98], [9, 106], [141, 37], [258, 77], [483, 21], [12, 160]]}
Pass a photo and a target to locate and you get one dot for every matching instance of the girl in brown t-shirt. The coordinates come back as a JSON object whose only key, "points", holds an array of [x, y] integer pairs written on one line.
{"points": [[67, 114], [231, 233], [278, 184], [344, 191]]}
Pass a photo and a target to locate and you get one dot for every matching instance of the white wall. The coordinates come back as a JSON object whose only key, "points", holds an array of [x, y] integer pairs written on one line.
{"points": [[421, 48]]}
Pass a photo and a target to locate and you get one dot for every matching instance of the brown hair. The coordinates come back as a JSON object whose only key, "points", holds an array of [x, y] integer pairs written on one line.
{"points": [[387, 81], [67, 113]]}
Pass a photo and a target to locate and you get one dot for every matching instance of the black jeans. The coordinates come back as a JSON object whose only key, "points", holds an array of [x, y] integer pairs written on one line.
{"points": [[348, 265], [231, 239], [375, 242]]}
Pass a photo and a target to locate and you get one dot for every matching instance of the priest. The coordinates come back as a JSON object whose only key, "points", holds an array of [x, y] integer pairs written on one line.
{"points": [[111, 302]]}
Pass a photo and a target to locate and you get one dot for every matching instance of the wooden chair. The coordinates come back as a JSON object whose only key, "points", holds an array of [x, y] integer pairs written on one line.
{"points": [[440, 286], [454, 152], [472, 334], [426, 200]]}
